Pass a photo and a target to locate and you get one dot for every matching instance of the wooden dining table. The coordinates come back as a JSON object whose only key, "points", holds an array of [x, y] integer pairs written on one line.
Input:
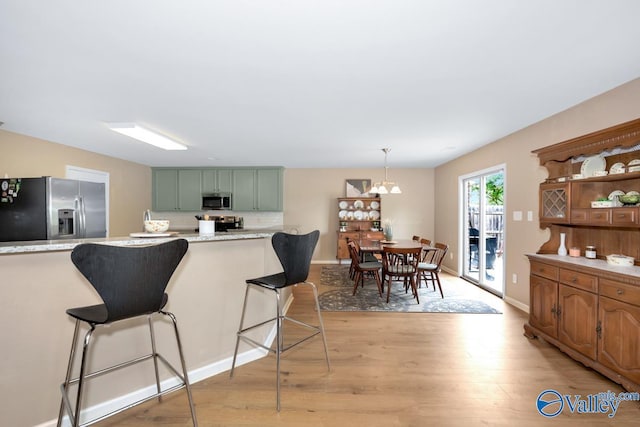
{"points": [[376, 246]]}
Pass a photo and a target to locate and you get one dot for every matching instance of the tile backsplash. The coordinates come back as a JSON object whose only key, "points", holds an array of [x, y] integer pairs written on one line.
{"points": [[252, 220]]}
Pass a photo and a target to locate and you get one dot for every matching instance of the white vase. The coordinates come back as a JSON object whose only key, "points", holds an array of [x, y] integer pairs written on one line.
{"points": [[562, 250]]}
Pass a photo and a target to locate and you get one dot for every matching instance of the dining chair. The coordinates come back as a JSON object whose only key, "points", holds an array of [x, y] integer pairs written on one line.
{"points": [[429, 271], [400, 263], [427, 251], [294, 252], [371, 267], [131, 282], [416, 238]]}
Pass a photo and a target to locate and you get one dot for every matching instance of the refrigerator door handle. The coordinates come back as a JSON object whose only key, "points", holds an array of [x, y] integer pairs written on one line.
{"points": [[83, 219]]}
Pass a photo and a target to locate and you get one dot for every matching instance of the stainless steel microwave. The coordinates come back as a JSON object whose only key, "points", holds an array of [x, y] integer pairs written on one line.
{"points": [[214, 201]]}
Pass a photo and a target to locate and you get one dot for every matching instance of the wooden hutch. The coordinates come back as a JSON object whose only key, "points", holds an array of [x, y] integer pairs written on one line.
{"points": [[589, 308], [359, 219]]}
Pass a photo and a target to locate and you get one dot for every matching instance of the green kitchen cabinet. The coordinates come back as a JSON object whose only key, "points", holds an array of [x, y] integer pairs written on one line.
{"points": [[252, 189], [257, 189], [244, 190], [269, 195], [165, 189], [217, 180], [177, 189]]}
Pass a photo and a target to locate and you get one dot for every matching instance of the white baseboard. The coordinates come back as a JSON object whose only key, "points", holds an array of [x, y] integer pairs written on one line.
{"points": [[517, 304]]}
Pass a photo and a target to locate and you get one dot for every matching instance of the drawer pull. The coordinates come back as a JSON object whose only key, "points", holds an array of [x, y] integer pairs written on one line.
{"points": [[574, 280], [619, 292]]}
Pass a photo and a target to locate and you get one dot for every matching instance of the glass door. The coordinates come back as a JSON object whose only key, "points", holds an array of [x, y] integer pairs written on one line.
{"points": [[483, 229]]}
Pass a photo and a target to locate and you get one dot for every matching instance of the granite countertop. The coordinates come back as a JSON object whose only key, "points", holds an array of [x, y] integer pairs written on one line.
{"points": [[67, 245]]}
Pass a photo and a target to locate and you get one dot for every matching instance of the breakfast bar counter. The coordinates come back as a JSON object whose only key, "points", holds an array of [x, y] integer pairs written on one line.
{"points": [[69, 244], [39, 283]]}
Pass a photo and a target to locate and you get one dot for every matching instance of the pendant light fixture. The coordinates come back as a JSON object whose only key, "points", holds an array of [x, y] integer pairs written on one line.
{"points": [[385, 186]]}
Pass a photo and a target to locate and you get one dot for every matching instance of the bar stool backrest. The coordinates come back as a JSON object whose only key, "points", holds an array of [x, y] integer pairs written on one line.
{"points": [[130, 280], [295, 252]]}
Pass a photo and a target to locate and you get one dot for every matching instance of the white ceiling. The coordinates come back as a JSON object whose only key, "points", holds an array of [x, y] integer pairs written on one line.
{"points": [[302, 83]]}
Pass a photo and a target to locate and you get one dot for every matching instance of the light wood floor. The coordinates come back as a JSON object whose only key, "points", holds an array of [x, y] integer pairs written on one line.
{"points": [[395, 369]]}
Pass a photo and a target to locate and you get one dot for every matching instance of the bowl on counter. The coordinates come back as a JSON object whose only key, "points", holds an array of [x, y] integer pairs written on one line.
{"points": [[156, 225], [620, 260]]}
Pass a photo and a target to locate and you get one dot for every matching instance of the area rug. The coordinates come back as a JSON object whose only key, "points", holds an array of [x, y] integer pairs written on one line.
{"points": [[337, 288]]}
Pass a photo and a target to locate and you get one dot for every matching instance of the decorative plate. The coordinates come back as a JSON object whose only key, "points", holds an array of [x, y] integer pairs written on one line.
{"points": [[633, 193], [617, 168], [634, 168], [358, 204], [374, 205], [358, 215], [592, 164], [342, 214], [343, 205], [374, 215], [634, 162], [614, 194]]}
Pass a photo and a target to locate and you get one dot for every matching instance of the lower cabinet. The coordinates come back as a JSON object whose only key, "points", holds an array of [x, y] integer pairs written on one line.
{"points": [[592, 318], [619, 344], [344, 236], [577, 313]]}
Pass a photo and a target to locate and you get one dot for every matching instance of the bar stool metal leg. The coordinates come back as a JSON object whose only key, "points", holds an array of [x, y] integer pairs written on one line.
{"points": [[321, 323], [74, 416], [185, 379], [155, 357], [244, 308], [279, 346]]}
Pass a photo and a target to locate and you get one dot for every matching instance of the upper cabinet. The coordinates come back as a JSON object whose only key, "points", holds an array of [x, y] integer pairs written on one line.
{"points": [[176, 189], [253, 189], [217, 180], [257, 189], [580, 196]]}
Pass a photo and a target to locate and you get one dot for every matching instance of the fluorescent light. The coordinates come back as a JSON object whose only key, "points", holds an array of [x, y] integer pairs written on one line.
{"points": [[145, 135]]}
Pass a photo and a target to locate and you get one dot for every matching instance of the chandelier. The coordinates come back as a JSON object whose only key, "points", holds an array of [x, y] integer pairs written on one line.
{"points": [[385, 186]]}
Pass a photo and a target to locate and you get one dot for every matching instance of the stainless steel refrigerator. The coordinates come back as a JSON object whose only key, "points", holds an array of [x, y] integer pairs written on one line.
{"points": [[51, 208]]}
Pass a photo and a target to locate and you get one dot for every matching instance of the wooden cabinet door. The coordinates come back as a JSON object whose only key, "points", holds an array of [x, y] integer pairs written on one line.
{"points": [[554, 203], [543, 305], [165, 190], [343, 249], [619, 343], [577, 321]]}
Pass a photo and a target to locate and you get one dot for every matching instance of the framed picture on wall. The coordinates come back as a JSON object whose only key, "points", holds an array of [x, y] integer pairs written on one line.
{"points": [[358, 188]]}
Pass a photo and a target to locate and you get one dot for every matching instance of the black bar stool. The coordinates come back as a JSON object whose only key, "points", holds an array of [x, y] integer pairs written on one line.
{"points": [[131, 282], [294, 252]]}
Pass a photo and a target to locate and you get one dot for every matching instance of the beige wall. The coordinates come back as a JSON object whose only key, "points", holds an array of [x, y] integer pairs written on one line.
{"points": [[130, 183], [310, 199], [523, 175]]}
